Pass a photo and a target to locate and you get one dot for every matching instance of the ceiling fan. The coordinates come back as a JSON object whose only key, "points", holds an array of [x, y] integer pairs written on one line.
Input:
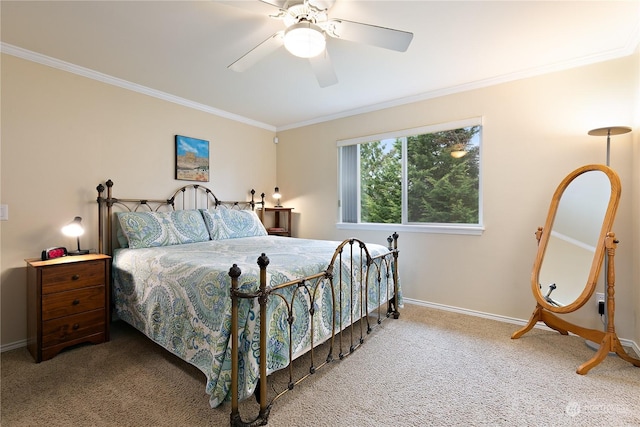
{"points": [[307, 26]]}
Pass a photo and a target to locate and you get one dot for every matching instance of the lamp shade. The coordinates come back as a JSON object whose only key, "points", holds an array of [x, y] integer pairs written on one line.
{"points": [[609, 132], [277, 196], [74, 228], [304, 40]]}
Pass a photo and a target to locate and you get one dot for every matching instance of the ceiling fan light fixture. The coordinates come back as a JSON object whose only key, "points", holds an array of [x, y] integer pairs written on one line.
{"points": [[304, 40], [458, 151], [456, 154]]}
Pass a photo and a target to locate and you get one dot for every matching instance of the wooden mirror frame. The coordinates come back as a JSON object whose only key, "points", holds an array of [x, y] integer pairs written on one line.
{"points": [[544, 312], [544, 233]]}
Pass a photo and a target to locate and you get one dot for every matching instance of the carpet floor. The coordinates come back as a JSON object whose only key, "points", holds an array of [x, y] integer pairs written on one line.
{"points": [[428, 368]]}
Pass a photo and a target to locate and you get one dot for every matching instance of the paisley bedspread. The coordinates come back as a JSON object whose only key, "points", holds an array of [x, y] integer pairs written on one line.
{"points": [[179, 296]]}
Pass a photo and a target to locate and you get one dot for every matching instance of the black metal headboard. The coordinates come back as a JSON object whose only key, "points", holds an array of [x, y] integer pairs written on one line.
{"points": [[192, 196]]}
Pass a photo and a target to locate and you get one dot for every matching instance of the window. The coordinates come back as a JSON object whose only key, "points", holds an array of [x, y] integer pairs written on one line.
{"points": [[426, 178]]}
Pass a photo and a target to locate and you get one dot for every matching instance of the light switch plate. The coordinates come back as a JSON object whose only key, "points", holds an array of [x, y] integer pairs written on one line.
{"points": [[4, 212]]}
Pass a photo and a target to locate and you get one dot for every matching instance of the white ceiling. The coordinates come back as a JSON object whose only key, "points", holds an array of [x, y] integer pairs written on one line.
{"points": [[181, 49]]}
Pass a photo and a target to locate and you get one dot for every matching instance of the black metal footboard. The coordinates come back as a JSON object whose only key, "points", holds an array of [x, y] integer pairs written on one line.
{"points": [[351, 278]]}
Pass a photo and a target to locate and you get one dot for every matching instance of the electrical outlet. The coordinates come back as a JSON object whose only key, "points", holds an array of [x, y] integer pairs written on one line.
{"points": [[600, 303]]}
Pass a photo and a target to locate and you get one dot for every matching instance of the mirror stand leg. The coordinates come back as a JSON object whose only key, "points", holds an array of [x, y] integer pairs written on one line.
{"points": [[603, 351], [622, 353], [535, 318], [610, 341]]}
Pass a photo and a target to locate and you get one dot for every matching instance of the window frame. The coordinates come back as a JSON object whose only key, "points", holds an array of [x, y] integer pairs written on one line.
{"points": [[405, 226]]}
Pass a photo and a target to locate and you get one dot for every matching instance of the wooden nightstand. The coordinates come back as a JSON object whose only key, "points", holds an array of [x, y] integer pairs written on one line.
{"points": [[280, 228], [68, 303]]}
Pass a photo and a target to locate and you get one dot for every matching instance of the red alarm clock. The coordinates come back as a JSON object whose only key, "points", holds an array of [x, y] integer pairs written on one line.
{"points": [[52, 253]]}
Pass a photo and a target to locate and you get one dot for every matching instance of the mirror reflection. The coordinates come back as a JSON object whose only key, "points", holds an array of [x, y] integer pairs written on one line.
{"points": [[565, 269]]}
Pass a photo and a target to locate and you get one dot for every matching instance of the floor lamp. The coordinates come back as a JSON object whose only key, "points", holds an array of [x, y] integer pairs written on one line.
{"points": [[608, 132]]}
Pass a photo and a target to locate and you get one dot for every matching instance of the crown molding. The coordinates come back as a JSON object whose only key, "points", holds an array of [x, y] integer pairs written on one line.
{"points": [[629, 49], [115, 81]]}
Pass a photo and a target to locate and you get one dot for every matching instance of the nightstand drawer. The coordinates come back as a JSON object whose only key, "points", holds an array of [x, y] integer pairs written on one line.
{"points": [[68, 303], [72, 302], [63, 329], [72, 276]]}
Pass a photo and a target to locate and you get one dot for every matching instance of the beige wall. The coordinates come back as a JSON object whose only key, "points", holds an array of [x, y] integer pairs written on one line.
{"points": [[63, 134], [535, 133], [635, 92]]}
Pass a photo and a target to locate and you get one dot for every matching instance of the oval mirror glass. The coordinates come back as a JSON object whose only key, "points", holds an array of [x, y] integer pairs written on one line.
{"points": [[571, 248]]}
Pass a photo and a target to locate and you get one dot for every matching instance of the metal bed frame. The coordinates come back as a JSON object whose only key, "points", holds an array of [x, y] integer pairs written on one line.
{"points": [[381, 269]]}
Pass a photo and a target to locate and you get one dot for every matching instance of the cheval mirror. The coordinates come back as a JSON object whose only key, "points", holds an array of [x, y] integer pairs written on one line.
{"points": [[571, 251]]}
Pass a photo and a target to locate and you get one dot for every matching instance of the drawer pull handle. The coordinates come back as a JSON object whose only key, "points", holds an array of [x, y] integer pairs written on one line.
{"points": [[76, 326], [75, 277], [76, 302]]}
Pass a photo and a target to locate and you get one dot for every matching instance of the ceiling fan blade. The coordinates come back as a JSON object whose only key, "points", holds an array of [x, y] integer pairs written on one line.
{"points": [[280, 4], [323, 69], [268, 46], [284, 4], [387, 38]]}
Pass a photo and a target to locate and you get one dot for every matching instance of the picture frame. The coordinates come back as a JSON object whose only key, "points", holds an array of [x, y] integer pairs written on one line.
{"points": [[192, 159]]}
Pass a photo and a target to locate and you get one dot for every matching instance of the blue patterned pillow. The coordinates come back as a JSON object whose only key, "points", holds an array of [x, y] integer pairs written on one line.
{"points": [[232, 223], [151, 229], [122, 239]]}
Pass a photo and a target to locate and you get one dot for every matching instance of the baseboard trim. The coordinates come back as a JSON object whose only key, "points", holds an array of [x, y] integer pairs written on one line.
{"points": [[521, 322], [13, 346]]}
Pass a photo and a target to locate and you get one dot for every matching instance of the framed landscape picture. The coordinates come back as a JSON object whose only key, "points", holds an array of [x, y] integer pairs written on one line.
{"points": [[192, 159]]}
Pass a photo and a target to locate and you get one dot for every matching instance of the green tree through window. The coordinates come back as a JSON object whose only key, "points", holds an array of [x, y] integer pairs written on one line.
{"points": [[438, 187], [380, 182]]}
